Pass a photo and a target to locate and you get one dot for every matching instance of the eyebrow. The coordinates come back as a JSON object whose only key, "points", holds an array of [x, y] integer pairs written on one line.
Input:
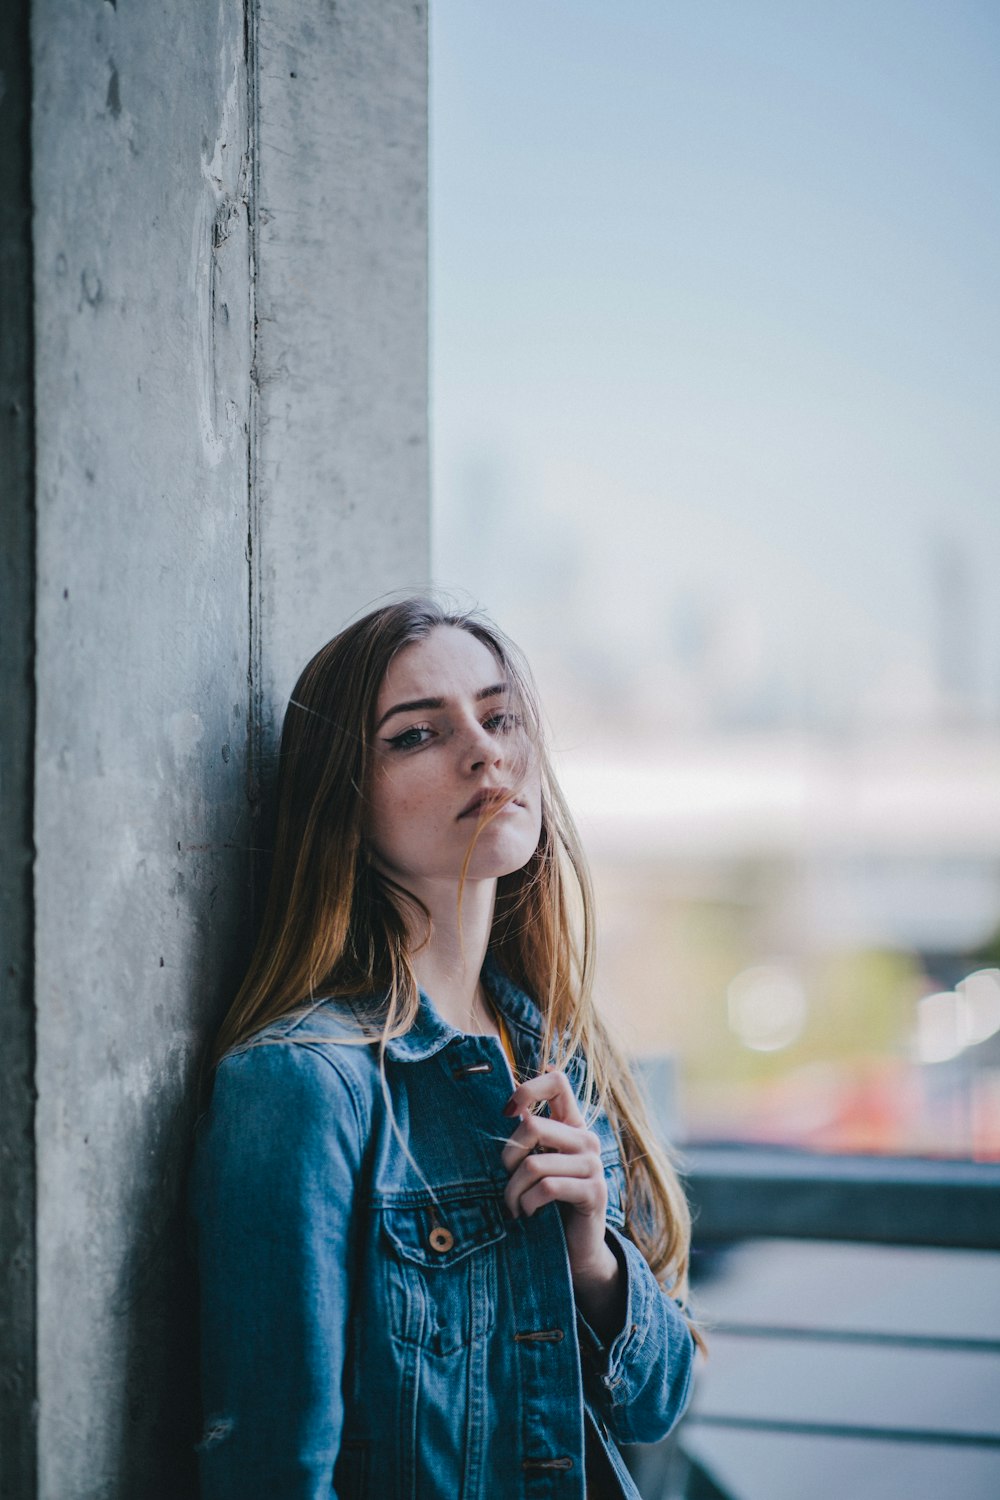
{"points": [[493, 691]]}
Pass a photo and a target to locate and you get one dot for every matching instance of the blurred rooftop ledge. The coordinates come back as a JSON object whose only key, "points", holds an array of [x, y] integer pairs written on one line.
{"points": [[741, 1192], [929, 795]]}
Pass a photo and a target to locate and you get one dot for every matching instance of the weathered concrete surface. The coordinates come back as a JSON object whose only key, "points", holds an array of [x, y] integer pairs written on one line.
{"points": [[143, 340], [230, 396], [17, 630], [342, 308]]}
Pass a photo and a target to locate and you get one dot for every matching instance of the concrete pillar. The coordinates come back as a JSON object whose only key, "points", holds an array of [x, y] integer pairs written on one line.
{"points": [[219, 454]]}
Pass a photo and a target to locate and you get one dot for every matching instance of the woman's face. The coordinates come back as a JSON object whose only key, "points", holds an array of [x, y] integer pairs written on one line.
{"points": [[446, 742]]}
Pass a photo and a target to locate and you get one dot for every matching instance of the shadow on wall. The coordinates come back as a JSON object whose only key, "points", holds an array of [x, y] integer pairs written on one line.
{"points": [[158, 1298]]}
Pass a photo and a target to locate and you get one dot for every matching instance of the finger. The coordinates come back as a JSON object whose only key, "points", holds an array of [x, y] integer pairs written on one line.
{"points": [[537, 1133], [533, 1168], [579, 1193], [537, 1169], [552, 1088]]}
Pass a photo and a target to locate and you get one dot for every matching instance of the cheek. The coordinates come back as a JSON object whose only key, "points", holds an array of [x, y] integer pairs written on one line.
{"points": [[536, 806], [399, 810], [382, 809], [534, 787]]}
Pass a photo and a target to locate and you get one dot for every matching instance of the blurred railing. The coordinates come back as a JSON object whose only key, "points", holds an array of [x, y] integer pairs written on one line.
{"points": [[852, 1311], [739, 1192]]}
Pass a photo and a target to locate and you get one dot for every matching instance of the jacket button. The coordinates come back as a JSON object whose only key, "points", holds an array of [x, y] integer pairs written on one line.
{"points": [[441, 1239]]}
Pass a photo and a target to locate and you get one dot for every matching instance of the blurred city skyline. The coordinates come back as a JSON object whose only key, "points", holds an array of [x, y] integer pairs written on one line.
{"points": [[715, 333], [715, 320]]}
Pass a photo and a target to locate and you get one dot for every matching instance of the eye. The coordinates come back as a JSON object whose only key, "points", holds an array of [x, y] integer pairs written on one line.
{"points": [[502, 721], [410, 738]]}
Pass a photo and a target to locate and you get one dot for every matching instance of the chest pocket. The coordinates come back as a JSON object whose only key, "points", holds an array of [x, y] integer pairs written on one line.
{"points": [[441, 1271]]}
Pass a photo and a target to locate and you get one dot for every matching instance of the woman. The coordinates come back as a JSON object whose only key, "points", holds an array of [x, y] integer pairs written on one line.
{"points": [[432, 1221]]}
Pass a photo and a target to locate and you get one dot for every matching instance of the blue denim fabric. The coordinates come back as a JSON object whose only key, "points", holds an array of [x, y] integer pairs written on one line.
{"points": [[350, 1350]]}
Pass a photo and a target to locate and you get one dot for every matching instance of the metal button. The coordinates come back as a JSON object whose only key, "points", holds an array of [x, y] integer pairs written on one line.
{"points": [[441, 1239], [482, 1067]]}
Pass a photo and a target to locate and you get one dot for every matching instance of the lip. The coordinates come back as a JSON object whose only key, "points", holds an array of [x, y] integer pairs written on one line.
{"points": [[485, 798]]}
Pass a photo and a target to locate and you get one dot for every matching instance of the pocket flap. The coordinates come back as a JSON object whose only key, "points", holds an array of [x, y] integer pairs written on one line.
{"points": [[440, 1234]]}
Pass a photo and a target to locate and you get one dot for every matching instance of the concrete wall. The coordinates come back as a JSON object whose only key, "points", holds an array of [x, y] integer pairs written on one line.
{"points": [[341, 301], [17, 594], [231, 458]]}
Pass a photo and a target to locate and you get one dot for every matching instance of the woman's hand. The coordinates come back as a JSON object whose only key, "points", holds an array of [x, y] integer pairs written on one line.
{"points": [[558, 1160]]}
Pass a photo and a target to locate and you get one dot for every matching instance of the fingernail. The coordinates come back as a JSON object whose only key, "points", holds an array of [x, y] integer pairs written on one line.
{"points": [[510, 1108]]}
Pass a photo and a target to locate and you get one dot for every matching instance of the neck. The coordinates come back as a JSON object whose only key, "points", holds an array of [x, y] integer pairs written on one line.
{"points": [[448, 966]]}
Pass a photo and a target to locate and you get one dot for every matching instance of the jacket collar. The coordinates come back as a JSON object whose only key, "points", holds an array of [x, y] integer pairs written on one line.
{"points": [[514, 1004], [429, 1033]]}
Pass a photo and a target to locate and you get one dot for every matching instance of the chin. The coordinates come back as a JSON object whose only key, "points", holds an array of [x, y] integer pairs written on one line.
{"points": [[506, 855]]}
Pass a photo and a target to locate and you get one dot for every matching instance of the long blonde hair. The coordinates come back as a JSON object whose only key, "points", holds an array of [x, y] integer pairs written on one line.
{"points": [[334, 925]]}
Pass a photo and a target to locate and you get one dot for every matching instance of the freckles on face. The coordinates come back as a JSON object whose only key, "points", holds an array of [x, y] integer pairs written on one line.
{"points": [[446, 742]]}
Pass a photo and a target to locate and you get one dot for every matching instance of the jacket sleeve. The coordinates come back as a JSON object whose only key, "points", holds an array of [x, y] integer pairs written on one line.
{"points": [[272, 1197], [640, 1383]]}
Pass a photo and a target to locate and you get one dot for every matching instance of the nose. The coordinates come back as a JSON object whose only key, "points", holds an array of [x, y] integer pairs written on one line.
{"points": [[482, 749]]}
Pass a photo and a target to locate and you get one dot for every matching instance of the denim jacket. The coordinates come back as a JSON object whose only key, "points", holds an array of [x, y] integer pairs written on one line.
{"points": [[374, 1324]]}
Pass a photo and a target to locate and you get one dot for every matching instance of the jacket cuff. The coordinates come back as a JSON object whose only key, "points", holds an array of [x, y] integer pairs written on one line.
{"points": [[606, 1359], [644, 1308]]}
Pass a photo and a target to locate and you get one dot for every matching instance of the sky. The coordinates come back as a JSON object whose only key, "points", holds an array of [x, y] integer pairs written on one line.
{"points": [[715, 333]]}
